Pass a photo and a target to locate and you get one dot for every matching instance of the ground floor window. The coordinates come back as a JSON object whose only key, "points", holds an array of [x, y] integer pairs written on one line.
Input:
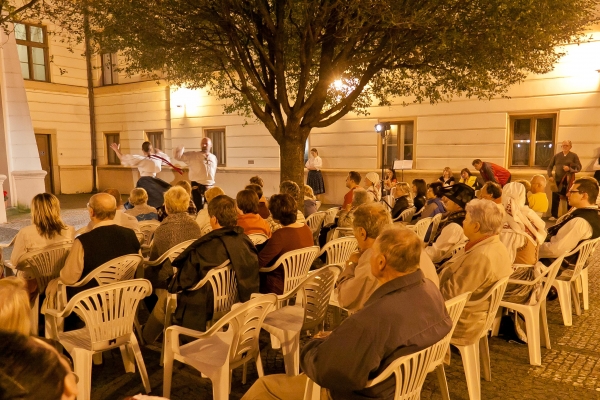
{"points": [[111, 156], [400, 142], [532, 140], [217, 136], [156, 139]]}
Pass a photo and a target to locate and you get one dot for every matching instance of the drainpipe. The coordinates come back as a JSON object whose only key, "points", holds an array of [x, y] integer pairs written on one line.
{"points": [[91, 103]]}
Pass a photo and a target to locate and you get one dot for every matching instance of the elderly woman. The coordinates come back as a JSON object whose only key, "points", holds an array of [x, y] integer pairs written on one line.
{"points": [[373, 186], [191, 210], [447, 178], [345, 218], [310, 202], [141, 210], [483, 262], [292, 235], [402, 202], [434, 206], [248, 218], [203, 219]]}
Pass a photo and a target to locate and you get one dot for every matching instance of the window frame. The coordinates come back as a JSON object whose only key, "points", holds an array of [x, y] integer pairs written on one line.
{"points": [[29, 44], [113, 65], [108, 149], [400, 143], [532, 137], [221, 161], [153, 142]]}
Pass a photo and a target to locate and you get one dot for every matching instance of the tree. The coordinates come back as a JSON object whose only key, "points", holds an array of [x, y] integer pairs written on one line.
{"points": [[11, 11], [303, 64]]}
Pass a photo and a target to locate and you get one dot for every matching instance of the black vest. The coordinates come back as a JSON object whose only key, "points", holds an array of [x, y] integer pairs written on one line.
{"points": [[591, 215]]}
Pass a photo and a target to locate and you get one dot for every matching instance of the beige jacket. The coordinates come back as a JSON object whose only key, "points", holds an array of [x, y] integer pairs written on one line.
{"points": [[476, 271]]}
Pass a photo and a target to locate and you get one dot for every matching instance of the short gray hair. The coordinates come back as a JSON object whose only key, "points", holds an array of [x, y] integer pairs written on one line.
{"points": [[372, 217], [177, 200], [401, 248], [539, 177], [359, 197], [487, 214]]}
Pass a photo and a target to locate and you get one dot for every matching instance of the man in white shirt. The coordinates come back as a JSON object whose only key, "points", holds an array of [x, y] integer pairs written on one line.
{"points": [[202, 169], [120, 218]]}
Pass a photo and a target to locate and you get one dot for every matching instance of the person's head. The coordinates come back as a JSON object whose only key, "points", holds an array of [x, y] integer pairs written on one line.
{"points": [[222, 212], [457, 196], [372, 178], [177, 200], [583, 193], [283, 208], [435, 189], [257, 180], [390, 173], [447, 173], [491, 191], [31, 369], [247, 201], [526, 184], [566, 146], [116, 194], [465, 173], [14, 306], [212, 193], [138, 197], [308, 192], [289, 187], [147, 148], [45, 215], [314, 152], [359, 197], [186, 186], [402, 189], [353, 179], [396, 252], [257, 189], [102, 207], [419, 187], [477, 164], [484, 218], [538, 184], [369, 221], [206, 144]]}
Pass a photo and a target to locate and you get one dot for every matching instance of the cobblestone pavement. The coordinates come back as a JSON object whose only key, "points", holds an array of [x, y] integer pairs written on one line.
{"points": [[569, 370]]}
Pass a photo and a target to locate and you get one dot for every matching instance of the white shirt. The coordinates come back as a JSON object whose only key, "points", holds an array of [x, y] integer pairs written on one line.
{"points": [[202, 218], [451, 235], [567, 238], [203, 166], [314, 163], [146, 165]]}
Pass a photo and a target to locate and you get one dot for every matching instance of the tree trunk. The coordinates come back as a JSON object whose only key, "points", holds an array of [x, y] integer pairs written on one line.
{"points": [[291, 163]]}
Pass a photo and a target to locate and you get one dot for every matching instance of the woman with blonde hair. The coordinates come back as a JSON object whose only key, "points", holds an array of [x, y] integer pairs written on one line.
{"points": [[14, 306], [141, 210], [402, 199], [447, 177], [191, 210], [310, 201]]}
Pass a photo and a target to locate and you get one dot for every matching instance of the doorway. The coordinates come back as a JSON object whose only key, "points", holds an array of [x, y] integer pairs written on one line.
{"points": [[45, 151]]}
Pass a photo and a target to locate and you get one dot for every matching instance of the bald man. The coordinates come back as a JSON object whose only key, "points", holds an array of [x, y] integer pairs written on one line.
{"points": [[105, 241], [565, 165], [203, 167]]}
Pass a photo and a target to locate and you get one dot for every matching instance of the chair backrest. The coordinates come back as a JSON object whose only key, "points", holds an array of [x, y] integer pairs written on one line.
{"points": [[338, 250], [406, 215], [314, 294], [390, 200], [224, 287], [454, 250], [296, 264], [341, 232], [148, 228], [585, 249], [495, 296], [549, 274], [421, 226], [315, 221], [435, 222], [331, 213], [174, 251], [45, 264], [318, 204], [118, 269], [258, 238], [205, 230], [140, 237], [109, 311]]}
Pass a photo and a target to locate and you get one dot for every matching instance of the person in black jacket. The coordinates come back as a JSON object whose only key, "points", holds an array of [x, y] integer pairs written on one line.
{"points": [[419, 189], [401, 202]]}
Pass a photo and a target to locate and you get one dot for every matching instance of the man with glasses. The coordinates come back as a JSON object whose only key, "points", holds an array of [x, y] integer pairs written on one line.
{"points": [[565, 165], [203, 167]]}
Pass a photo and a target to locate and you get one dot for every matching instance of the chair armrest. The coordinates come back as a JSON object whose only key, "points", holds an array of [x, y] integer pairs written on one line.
{"points": [[180, 330], [268, 269], [524, 283], [523, 265], [56, 313]]}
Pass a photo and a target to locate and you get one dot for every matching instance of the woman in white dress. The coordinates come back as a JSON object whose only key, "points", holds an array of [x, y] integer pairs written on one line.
{"points": [[315, 178]]}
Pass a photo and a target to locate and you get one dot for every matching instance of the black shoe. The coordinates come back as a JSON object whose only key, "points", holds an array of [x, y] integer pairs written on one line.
{"points": [[552, 294]]}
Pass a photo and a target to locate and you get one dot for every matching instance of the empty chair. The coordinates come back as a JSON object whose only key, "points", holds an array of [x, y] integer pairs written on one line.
{"points": [[258, 238], [406, 215], [315, 223], [338, 250], [420, 228], [108, 312], [331, 213], [216, 352]]}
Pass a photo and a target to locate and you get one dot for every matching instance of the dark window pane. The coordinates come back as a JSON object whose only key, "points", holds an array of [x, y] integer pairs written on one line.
{"points": [[391, 146], [408, 133], [408, 152], [544, 129], [112, 158], [218, 141], [520, 154], [543, 153], [522, 129]]}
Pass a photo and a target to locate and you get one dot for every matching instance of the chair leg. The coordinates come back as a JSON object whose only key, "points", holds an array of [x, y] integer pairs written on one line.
{"points": [[221, 382], [127, 356], [167, 368], [82, 362], [244, 372], [564, 297], [484, 351], [135, 347], [275, 343], [497, 319], [312, 391], [259, 366], [97, 359], [575, 297], [544, 326], [532, 325], [290, 347], [470, 359], [585, 288], [441, 375]]}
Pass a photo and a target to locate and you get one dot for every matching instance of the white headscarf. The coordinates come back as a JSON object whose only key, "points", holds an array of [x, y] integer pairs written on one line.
{"points": [[520, 217]]}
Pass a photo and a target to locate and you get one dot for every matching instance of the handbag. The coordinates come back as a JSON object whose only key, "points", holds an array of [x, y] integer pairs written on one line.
{"points": [[553, 186]]}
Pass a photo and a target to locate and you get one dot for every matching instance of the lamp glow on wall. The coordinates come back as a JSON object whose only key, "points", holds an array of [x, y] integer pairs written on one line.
{"points": [[186, 102], [581, 64]]}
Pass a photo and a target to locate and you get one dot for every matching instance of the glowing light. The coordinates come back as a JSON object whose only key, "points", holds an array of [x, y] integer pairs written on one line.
{"points": [[338, 84]]}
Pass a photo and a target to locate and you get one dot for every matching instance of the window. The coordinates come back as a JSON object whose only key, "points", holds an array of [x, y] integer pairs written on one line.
{"points": [[32, 46], [111, 156], [109, 66], [532, 140], [156, 139], [217, 136], [399, 143]]}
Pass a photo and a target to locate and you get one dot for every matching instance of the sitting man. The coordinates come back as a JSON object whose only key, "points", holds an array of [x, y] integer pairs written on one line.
{"points": [[580, 223], [291, 188], [345, 217], [120, 218], [352, 182], [356, 284], [104, 242], [358, 350], [538, 199], [484, 262], [450, 231]]}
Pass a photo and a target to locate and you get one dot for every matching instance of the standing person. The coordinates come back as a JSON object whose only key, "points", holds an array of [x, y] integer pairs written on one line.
{"points": [[148, 165], [492, 172], [352, 182], [315, 178], [565, 165], [447, 177], [203, 167]]}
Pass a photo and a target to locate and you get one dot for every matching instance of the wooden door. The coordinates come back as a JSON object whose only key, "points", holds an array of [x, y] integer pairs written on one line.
{"points": [[44, 149]]}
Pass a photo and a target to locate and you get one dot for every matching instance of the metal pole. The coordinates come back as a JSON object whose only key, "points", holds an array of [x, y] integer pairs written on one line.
{"points": [[91, 103]]}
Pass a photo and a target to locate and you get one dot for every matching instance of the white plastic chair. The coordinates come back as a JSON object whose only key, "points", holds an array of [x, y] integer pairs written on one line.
{"points": [[593, 261], [315, 223], [390, 200], [454, 250], [341, 232], [286, 323], [435, 223], [296, 264], [258, 238], [566, 283], [406, 215], [331, 213], [318, 205], [470, 353], [420, 228], [536, 312], [108, 312], [338, 251], [170, 254], [216, 352], [147, 228], [205, 230]]}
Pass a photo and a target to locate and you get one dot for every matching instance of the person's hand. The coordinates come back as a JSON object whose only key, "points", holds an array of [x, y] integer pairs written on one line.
{"points": [[322, 334], [115, 146], [566, 168]]}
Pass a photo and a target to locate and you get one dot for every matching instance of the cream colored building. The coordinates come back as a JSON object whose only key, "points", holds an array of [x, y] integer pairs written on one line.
{"points": [[518, 132]]}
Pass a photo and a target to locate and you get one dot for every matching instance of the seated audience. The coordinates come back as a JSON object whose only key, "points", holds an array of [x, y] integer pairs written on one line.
{"points": [[291, 188], [356, 283], [310, 201], [390, 180], [107, 240], [373, 186], [538, 199], [257, 180], [15, 310], [493, 192], [248, 218], [138, 198], [203, 219], [191, 210], [263, 204], [468, 179], [120, 218], [342, 362], [31, 369], [292, 235], [447, 178], [450, 230], [352, 182], [526, 184], [491, 172], [402, 197], [419, 191], [345, 218], [483, 263], [435, 206]]}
